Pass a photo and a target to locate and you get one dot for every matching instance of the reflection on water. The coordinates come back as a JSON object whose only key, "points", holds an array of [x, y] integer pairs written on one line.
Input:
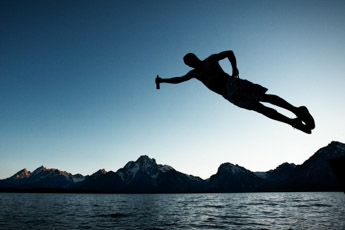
{"points": [[173, 211]]}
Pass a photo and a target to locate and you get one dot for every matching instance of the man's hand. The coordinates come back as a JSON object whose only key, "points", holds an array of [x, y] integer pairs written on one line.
{"points": [[235, 73], [158, 81]]}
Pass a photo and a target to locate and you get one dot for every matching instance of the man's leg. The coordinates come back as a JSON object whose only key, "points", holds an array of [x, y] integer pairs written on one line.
{"points": [[278, 101], [273, 114], [301, 112]]}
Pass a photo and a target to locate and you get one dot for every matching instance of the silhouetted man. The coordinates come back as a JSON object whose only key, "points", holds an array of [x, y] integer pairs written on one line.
{"points": [[240, 92]]}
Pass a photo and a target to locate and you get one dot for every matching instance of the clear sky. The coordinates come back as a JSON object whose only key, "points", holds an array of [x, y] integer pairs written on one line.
{"points": [[77, 88]]}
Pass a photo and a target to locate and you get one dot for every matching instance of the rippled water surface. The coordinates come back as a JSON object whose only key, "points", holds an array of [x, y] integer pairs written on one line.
{"points": [[173, 211]]}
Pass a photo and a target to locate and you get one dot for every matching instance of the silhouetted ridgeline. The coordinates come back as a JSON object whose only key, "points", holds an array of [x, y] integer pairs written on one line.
{"points": [[146, 176]]}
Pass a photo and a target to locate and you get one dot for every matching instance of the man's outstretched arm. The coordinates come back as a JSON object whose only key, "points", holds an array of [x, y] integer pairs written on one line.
{"points": [[175, 80]]}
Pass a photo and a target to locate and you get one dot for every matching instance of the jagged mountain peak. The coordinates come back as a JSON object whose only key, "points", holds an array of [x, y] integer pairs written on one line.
{"points": [[333, 150], [338, 145], [229, 167], [144, 165], [145, 158], [24, 173], [146, 161], [44, 172], [39, 170], [103, 171], [284, 166], [99, 173]]}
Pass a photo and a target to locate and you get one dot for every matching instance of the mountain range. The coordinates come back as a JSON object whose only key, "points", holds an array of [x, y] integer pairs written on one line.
{"points": [[146, 176]]}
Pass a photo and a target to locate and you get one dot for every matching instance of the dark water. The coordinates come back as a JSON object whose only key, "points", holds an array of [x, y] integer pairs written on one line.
{"points": [[173, 211]]}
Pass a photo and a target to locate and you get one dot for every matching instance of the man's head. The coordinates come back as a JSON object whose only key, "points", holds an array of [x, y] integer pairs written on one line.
{"points": [[191, 60]]}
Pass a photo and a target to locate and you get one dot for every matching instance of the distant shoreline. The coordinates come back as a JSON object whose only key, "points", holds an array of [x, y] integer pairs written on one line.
{"points": [[62, 191]]}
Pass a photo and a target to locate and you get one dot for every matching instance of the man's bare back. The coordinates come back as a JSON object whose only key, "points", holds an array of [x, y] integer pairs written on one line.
{"points": [[240, 92]]}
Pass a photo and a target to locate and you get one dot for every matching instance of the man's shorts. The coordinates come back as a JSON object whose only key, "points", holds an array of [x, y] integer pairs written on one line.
{"points": [[243, 93]]}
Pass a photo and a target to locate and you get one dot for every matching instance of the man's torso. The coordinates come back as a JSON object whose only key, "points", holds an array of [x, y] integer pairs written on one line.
{"points": [[212, 75]]}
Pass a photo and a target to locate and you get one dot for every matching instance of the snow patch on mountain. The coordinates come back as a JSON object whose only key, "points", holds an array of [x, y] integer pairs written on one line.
{"points": [[78, 178]]}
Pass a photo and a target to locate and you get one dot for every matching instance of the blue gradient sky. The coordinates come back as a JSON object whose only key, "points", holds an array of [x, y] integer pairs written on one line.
{"points": [[77, 85]]}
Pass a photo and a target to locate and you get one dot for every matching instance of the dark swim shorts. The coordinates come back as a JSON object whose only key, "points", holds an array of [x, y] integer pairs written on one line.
{"points": [[243, 93]]}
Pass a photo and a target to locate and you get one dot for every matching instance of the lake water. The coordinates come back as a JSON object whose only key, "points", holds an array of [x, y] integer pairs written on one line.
{"points": [[173, 211]]}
